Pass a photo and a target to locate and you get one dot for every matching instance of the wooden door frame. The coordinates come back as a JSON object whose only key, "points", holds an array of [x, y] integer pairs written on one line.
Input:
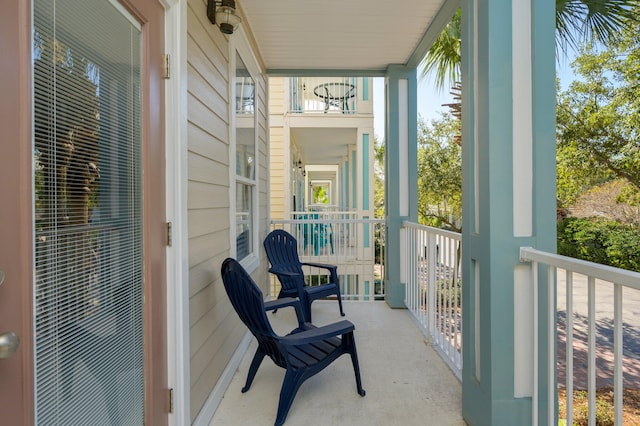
{"points": [[154, 208], [16, 193], [16, 212]]}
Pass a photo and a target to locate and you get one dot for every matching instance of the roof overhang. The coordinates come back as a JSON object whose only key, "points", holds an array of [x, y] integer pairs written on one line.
{"points": [[338, 37]]}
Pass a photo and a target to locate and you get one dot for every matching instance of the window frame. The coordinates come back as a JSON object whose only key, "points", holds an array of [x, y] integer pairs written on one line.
{"points": [[239, 45]]}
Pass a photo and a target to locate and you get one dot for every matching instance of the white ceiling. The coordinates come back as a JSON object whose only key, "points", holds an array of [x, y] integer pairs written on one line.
{"points": [[326, 145], [338, 34]]}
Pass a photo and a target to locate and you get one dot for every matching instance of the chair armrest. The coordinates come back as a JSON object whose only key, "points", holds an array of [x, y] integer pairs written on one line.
{"points": [[283, 303], [333, 269], [316, 334], [287, 274], [320, 265]]}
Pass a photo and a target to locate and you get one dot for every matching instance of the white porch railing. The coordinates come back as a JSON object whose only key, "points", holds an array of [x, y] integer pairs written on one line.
{"points": [[326, 208], [430, 268], [356, 246], [329, 214], [323, 94], [581, 281]]}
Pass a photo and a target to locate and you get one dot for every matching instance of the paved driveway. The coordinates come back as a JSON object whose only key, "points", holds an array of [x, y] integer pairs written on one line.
{"points": [[604, 332]]}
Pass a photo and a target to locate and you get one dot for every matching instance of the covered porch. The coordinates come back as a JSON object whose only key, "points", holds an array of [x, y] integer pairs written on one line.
{"points": [[508, 163], [210, 185]]}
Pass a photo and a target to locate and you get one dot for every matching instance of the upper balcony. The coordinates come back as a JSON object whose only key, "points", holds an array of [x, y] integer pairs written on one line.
{"points": [[329, 95]]}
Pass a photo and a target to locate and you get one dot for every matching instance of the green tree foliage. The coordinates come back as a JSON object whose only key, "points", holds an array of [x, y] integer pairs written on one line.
{"points": [[439, 173], [378, 203], [577, 22], [320, 195], [598, 117], [378, 182], [576, 173]]}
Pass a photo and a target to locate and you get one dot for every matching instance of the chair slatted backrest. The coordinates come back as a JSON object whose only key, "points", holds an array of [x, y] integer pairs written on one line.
{"points": [[248, 302], [282, 252]]}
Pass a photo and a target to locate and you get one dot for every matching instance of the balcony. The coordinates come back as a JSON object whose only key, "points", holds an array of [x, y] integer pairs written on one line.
{"points": [[411, 358], [328, 95]]}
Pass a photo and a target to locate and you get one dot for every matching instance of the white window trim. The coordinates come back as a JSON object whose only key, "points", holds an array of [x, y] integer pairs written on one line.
{"points": [[240, 43]]}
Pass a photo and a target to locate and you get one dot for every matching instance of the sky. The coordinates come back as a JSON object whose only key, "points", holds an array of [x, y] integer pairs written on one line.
{"points": [[430, 100]]}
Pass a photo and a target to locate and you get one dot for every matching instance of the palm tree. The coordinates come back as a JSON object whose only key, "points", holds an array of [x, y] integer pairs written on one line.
{"points": [[577, 21]]}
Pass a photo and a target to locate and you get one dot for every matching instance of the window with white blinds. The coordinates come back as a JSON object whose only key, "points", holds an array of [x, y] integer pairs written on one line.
{"points": [[88, 214], [245, 142]]}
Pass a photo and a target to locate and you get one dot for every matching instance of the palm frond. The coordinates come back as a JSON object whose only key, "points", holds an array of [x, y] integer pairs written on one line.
{"points": [[582, 21], [444, 57]]}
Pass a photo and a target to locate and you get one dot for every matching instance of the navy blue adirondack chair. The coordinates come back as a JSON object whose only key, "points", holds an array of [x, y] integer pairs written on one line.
{"points": [[304, 352], [282, 252]]}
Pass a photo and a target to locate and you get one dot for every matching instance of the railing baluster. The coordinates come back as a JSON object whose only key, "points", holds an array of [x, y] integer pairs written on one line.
{"points": [[617, 354], [551, 339], [452, 294], [418, 285], [569, 346], [431, 281], [440, 295], [591, 362], [407, 267], [447, 296], [536, 364]]}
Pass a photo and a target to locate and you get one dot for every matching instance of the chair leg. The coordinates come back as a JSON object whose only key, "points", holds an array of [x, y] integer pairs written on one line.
{"points": [[290, 386], [253, 369], [336, 280], [331, 241], [305, 301], [339, 299], [349, 340]]}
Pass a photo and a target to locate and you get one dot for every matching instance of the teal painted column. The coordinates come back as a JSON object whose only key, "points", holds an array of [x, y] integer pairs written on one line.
{"points": [[508, 202], [346, 183], [401, 175], [354, 178]]}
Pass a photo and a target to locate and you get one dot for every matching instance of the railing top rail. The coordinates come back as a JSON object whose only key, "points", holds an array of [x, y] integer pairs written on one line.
{"points": [[319, 220], [325, 212], [443, 232], [592, 269], [324, 206]]}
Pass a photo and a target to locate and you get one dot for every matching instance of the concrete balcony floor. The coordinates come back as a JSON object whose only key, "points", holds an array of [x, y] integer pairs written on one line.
{"points": [[406, 381]]}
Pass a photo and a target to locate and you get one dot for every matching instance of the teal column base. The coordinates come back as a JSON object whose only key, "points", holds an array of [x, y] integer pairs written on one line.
{"points": [[479, 410], [395, 294]]}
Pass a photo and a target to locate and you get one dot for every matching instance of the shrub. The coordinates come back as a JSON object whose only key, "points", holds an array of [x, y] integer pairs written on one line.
{"points": [[601, 241], [604, 412]]}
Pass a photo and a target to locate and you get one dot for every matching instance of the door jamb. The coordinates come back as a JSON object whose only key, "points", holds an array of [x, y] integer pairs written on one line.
{"points": [[178, 354]]}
